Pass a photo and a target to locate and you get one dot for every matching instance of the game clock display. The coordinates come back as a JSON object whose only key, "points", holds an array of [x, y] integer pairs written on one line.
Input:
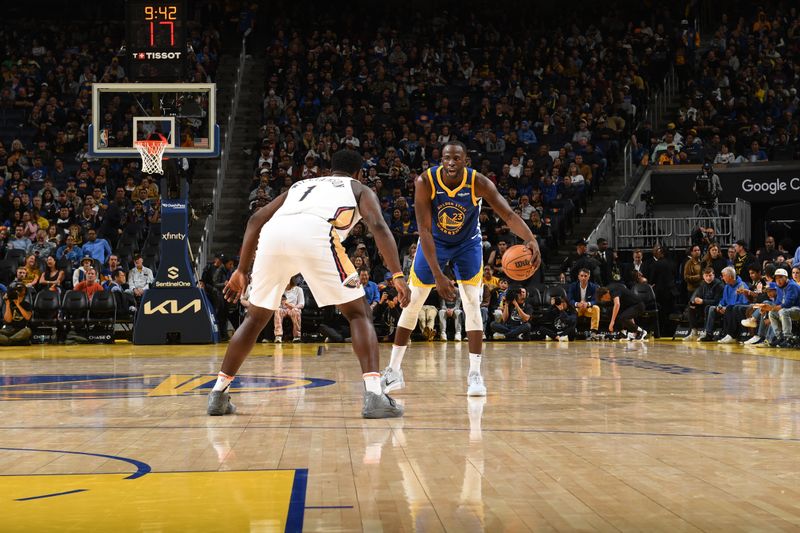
{"points": [[156, 39]]}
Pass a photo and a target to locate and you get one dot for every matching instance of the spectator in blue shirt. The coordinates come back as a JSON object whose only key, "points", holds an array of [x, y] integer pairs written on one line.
{"points": [[795, 261], [526, 135], [549, 191], [731, 296], [20, 241], [97, 248], [371, 290], [786, 310], [756, 153], [71, 251]]}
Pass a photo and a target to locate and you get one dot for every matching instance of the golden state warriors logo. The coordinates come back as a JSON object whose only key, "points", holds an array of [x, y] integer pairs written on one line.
{"points": [[94, 386], [450, 217]]}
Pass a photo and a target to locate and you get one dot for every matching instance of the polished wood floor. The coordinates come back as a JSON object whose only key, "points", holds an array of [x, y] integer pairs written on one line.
{"points": [[655, 436]]}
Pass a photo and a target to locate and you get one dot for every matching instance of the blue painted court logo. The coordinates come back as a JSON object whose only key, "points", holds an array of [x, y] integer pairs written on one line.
{"points": [[97, 386]]}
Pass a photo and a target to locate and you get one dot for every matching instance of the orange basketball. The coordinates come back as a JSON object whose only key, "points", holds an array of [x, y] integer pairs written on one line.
{"points": [[518, 262]]}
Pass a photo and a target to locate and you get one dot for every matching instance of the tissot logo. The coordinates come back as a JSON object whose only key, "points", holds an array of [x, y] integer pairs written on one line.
{"points": [[170, 307], [156, 55], [173, 236], [173, 272]]}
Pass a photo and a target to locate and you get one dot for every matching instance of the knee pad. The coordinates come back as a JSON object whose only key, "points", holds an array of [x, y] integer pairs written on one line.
{"points": [[409, 316], [471, 302]]}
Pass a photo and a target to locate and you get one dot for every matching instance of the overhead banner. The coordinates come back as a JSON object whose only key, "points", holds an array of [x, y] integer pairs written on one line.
{"points": [[775, 185]]}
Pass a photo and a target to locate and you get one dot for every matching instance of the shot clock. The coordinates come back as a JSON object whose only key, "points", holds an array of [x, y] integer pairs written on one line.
{"points": [[156, 38]]}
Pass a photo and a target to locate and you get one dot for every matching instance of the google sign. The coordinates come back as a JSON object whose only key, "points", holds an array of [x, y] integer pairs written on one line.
{"points": [[773, 186]]}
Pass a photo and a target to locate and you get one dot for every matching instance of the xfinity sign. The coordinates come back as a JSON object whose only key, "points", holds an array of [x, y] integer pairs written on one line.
{"points": [[168, 236]]}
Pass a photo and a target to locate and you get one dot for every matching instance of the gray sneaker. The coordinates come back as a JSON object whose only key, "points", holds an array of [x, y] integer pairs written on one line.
{"points": [[380, 406], [392, 379], [219, 403]]}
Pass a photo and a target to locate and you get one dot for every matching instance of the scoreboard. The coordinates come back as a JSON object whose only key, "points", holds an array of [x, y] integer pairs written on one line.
{"points": [[156, 40]]}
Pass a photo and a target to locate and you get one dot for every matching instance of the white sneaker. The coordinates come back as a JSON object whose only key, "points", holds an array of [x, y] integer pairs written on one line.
{"points": [[563, 338], [475, 386], [278, 339], [727, 339], [749, 322], [702, 335], [458, 336], [443, 337], [753, 340], [498, 336], [691, 336], [392, 379]]}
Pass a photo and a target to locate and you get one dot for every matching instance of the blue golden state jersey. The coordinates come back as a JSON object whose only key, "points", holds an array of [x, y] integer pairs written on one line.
{"points": [[455, 211]]}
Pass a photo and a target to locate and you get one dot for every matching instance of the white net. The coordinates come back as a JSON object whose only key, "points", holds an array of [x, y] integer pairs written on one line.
{"points": [[151, 152]]}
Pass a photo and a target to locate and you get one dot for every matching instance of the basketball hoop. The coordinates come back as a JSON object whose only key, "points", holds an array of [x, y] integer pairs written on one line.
{"points": [[152, 151]]}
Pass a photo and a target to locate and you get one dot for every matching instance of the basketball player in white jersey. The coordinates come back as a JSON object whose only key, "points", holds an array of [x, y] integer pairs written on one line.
{"points": [[301, 230]]}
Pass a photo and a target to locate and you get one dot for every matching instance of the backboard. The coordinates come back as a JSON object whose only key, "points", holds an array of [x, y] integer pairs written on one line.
{"points": [[184, 113]]}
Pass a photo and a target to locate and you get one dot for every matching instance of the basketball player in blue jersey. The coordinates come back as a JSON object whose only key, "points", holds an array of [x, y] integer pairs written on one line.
{"points": [[447, 204]]}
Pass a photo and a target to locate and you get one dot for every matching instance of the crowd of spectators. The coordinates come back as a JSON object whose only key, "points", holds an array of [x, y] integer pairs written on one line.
{"points": [[542, 111], [542, 117], [70, 221], [739, 92]]}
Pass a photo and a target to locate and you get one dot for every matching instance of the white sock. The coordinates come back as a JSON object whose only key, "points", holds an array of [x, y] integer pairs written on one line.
{"points": [[223, 381], [474, 363], [397, 356], [372, 382]]}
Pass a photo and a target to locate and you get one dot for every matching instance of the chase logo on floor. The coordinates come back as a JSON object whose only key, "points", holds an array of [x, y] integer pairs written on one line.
{"points": [[652, 365], [94, 386]]}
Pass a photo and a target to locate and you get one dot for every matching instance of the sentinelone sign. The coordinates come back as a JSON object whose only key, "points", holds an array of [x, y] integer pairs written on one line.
{"points": [[765, 183]]}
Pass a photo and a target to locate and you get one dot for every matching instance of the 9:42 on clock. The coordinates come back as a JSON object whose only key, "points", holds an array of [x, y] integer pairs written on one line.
{"points": [[156, 39]]}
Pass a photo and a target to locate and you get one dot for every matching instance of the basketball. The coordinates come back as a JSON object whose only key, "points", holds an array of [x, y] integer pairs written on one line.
{"points": [[518, 262]]}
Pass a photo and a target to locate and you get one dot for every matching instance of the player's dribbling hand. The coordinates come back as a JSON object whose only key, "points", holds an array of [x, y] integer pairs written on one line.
{"points": [[536, 260], [234, 287], [445, 288], [403, 292]]}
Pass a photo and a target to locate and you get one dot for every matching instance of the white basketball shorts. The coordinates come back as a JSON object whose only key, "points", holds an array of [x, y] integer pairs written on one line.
{"points": [[307, 245]]}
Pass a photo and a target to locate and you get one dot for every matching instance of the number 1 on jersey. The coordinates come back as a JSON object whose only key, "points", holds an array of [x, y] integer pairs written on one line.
{"points": [[306, 193]]}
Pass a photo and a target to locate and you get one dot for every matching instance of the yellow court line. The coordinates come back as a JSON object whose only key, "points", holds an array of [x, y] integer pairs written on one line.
{"points": [[71, 381], [106, 351]]}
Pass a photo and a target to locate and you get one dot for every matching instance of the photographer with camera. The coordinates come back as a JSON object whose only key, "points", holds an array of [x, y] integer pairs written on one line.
{"points": [[707, 187], [515, 316], [18, 312], [560, 319]]}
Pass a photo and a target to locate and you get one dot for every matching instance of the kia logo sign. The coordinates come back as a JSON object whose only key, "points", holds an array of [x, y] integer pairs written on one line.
{"points": [[170, 307]]}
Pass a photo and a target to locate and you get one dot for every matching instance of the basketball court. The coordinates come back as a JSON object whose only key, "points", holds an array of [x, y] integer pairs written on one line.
{"points": [[656, 436]]}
